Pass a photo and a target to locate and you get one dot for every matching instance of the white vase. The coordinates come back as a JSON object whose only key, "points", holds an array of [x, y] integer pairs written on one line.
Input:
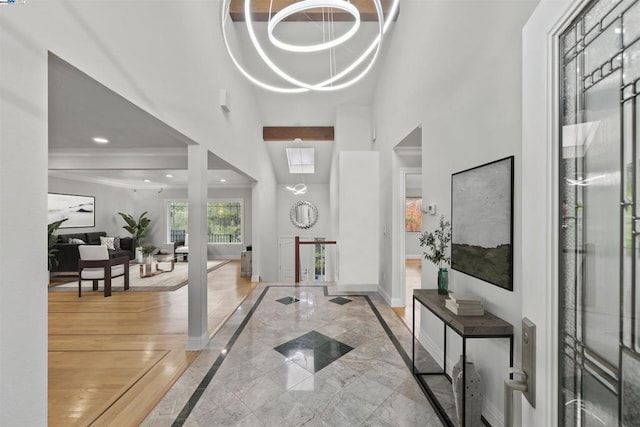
{"points": [[139, 255], [473, 402]]}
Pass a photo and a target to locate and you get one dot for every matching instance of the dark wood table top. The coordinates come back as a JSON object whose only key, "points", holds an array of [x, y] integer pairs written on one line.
{"points": [[467, 326]]}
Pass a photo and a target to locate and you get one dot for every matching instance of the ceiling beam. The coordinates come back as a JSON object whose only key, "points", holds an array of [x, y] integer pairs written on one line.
{"points": [[260, 10], [289, 133]]}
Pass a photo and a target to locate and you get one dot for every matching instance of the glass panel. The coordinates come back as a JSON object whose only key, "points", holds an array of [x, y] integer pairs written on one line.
{"points": [[569, 393], [570, 88], [598, 12], [631, 62], [630, 388], [224, 221], [568, 278], [636, 138], [601, 184], [599, 258], [600, 50], [569, 40], [631, 20], [600, 405], [627, 218], [178, 221]]}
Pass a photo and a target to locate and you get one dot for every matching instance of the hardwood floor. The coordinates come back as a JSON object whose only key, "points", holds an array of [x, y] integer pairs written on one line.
{"points": [[112, 359], [413, 280]]}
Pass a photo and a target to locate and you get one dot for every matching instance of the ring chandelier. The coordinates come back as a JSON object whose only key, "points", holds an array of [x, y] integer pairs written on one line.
{"points": [[340, 80], [298, 189]]}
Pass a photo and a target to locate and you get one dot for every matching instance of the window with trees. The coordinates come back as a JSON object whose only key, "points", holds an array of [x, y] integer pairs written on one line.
{"points": [[224, 221], [413, 214]]}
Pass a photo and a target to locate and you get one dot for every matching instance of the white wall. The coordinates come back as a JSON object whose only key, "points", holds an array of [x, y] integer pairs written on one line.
{"points": [[465, 90], [23, 217], [358, 240], [165, 59], [109, 201], [539, 203]]}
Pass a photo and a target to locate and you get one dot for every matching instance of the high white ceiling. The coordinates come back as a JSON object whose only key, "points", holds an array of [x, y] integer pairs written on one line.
{"points": [[82, 108]]}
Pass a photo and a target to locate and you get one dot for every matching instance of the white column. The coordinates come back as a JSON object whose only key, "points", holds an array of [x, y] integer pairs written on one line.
{"points": [[198, 334], [23, 217]]}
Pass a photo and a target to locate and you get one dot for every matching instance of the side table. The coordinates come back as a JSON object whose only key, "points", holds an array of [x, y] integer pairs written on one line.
{"points": [[485, 326], [146, 269]]}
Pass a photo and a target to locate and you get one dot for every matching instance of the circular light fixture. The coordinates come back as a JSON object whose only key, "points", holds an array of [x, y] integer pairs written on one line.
{"points": [[298, 189], [303, 5], [147, 180], [169, 175], [223, 180], [344, 78], [100, 140]]}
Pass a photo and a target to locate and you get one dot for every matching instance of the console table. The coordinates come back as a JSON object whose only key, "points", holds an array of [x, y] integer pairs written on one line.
{"points": [[485, 326]]}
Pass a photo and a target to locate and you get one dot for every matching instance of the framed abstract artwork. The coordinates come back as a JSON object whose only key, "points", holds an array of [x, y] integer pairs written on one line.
{"points": [[482, 222]]}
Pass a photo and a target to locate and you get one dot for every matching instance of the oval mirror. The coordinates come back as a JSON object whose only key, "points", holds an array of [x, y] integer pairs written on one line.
{"points": [[303, 214]]}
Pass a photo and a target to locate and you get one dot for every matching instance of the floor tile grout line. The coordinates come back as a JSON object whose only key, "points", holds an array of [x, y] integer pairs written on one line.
{"points": [[195, 397], [197, 394]]}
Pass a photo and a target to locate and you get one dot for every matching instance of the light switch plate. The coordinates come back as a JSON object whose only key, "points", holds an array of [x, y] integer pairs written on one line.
{"points": [[432, 208]]}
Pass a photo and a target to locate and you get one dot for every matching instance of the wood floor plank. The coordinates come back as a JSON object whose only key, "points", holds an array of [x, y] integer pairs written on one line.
{"points": [[112, 359]]}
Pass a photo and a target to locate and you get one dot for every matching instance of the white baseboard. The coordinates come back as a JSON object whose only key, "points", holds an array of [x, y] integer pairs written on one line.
{"points": [[224, 257], [393, 302], [384, 294], [198, 343], [357, 288], [397, 302]]}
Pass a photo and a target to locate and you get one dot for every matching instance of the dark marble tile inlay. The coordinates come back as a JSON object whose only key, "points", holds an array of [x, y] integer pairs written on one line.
{"points": [[313, 351], [340, 300], [287, 300]]}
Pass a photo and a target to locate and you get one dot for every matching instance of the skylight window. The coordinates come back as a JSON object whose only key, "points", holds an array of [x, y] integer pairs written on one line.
{"points": [[301, 160]]}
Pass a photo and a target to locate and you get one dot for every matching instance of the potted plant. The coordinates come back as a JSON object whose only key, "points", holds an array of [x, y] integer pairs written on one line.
{"points": [[53, 239], [138, 229], [147, 251], [437, 243]]}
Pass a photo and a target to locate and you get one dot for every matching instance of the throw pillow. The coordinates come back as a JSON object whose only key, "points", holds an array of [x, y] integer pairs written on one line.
{"points": [[77, 241], [107, 241], [116, 243]]}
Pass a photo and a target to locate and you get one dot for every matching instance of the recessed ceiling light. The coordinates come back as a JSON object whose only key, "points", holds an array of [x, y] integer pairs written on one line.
{"points": [[223, 180], [169, 175], [147, 180], [100, 140]]}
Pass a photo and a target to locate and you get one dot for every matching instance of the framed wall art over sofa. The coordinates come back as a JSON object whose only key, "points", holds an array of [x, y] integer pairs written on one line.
{"points": [[79, 211]]}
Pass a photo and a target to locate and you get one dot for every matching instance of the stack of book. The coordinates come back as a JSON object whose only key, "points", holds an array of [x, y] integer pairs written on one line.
{"points": [[464, 305]]}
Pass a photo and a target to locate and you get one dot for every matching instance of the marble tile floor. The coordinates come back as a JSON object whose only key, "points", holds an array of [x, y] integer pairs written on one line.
{"points": [[310, 362]]}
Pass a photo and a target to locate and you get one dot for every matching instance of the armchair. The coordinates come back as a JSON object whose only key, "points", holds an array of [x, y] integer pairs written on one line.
{"points": [[182, 248], [95, 264]]}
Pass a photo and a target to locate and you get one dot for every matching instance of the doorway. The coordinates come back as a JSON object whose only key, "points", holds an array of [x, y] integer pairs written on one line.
{"points": [[407, 214]]}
